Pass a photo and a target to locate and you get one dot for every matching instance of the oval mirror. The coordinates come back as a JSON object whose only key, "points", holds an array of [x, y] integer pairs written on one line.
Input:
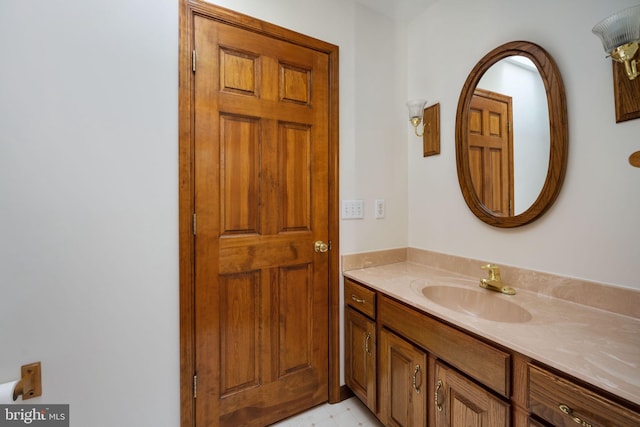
{"points": [[511, 135]]}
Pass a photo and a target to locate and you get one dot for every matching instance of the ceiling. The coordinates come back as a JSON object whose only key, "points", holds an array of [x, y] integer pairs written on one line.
{"points": [[399, 10]]}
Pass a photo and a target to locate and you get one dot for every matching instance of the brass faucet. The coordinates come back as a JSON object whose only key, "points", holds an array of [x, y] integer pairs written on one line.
{"points": [[494, 282]]}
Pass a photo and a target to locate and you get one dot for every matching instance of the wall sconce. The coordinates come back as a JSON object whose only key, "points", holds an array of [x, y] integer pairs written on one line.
{"points": [[416, 110], [430, 119], [620, 35]]}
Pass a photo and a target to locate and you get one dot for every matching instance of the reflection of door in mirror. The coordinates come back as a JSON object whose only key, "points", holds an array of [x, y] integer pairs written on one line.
{"points": [[491, 150], [518, 78]]}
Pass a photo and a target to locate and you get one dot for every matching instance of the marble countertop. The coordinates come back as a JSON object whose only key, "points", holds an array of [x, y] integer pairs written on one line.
{"points": [[597, 346]]}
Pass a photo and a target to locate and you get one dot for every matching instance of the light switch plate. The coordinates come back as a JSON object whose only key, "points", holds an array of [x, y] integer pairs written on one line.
{"points": [[352, 209], [379, 208]]}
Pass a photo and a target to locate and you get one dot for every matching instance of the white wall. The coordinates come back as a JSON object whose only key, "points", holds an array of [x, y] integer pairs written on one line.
{"points": [[88, 206], [593, 230]]}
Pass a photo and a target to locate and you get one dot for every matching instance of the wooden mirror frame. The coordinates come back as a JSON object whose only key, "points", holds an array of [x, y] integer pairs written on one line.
{"points": [[559, 135]]}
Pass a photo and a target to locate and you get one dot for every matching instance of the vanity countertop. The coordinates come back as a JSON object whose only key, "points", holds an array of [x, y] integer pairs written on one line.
{"points": [[597, 346]]}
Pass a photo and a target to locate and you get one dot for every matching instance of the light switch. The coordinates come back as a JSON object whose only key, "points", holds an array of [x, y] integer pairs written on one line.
{"points": [[352, 209]]}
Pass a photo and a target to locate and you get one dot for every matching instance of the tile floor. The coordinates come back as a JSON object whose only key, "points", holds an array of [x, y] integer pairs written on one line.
{"points": [[348, 413]]}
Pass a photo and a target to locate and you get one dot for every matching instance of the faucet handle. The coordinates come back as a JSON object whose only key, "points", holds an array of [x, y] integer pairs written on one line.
{"points": [[494, 271]]}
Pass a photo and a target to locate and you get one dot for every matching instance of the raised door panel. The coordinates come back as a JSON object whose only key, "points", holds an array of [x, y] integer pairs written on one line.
{"points": [[239, 72], [239, 332], [360, 359], [402, 376], [460, 402], [239, 175], [294, 169], [295, 319]]}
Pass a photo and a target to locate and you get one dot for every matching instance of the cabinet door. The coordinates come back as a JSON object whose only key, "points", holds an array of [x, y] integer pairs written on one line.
{"points": [[360, 356], [460, 402], [403, 382]]}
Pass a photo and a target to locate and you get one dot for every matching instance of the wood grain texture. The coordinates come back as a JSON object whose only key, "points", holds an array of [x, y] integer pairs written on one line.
{"points": [[431, 136], [245, 83], [401, 403], [485, 363], [360, 356], [464, 403], [558, 131], [186, 209], [258, 160], [626, 94], [490, 145], [549, 391], [360, 298]]}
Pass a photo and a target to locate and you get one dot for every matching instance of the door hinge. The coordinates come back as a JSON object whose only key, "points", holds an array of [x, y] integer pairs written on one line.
{"points": [[194, 224], [195, 386], [193, 61]]}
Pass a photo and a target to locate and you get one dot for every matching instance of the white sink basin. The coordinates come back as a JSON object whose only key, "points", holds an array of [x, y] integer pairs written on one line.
{"points": [[480, 303]]}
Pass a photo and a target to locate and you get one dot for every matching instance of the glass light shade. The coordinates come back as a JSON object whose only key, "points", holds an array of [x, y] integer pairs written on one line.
{"points": [[620, 28], [416, 108]]}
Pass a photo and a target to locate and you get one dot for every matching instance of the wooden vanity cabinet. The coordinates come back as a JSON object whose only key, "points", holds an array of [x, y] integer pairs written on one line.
{"points": [[459, 401], [359, 297], [432, 374], [360, 343], [563, 403], [403, 385], [486, 364], [454, 398], [360, 356]]}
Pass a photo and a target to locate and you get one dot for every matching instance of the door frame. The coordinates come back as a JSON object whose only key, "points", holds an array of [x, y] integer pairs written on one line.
{"points": [[186, 157]]}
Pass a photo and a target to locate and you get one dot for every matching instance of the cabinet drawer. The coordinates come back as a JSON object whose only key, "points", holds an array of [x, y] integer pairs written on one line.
{"points": [[360, 298], [564, 403], [533, 423], [479, 360]]}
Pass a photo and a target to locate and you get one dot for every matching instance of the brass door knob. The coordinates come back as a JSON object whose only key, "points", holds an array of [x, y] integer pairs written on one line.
{"points": [[320, 246]]}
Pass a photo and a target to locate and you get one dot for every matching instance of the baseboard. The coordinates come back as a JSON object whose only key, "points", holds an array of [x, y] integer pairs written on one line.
{"points": [[345, 393]]}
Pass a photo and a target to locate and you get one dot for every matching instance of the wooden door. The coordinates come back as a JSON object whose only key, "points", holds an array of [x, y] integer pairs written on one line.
{"points": [[263, 159], [403, 382], [360, 356], [460, 402], [491, 151]]}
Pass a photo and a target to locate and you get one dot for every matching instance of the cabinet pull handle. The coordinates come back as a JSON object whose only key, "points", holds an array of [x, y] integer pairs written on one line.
{"points": [[366, 343], [437, 396], [415, 375], [567, 410], [356, 299]]}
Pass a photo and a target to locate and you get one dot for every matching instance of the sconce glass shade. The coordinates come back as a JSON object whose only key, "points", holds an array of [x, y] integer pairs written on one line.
{"points": [[416, 110], [619, 29]]}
